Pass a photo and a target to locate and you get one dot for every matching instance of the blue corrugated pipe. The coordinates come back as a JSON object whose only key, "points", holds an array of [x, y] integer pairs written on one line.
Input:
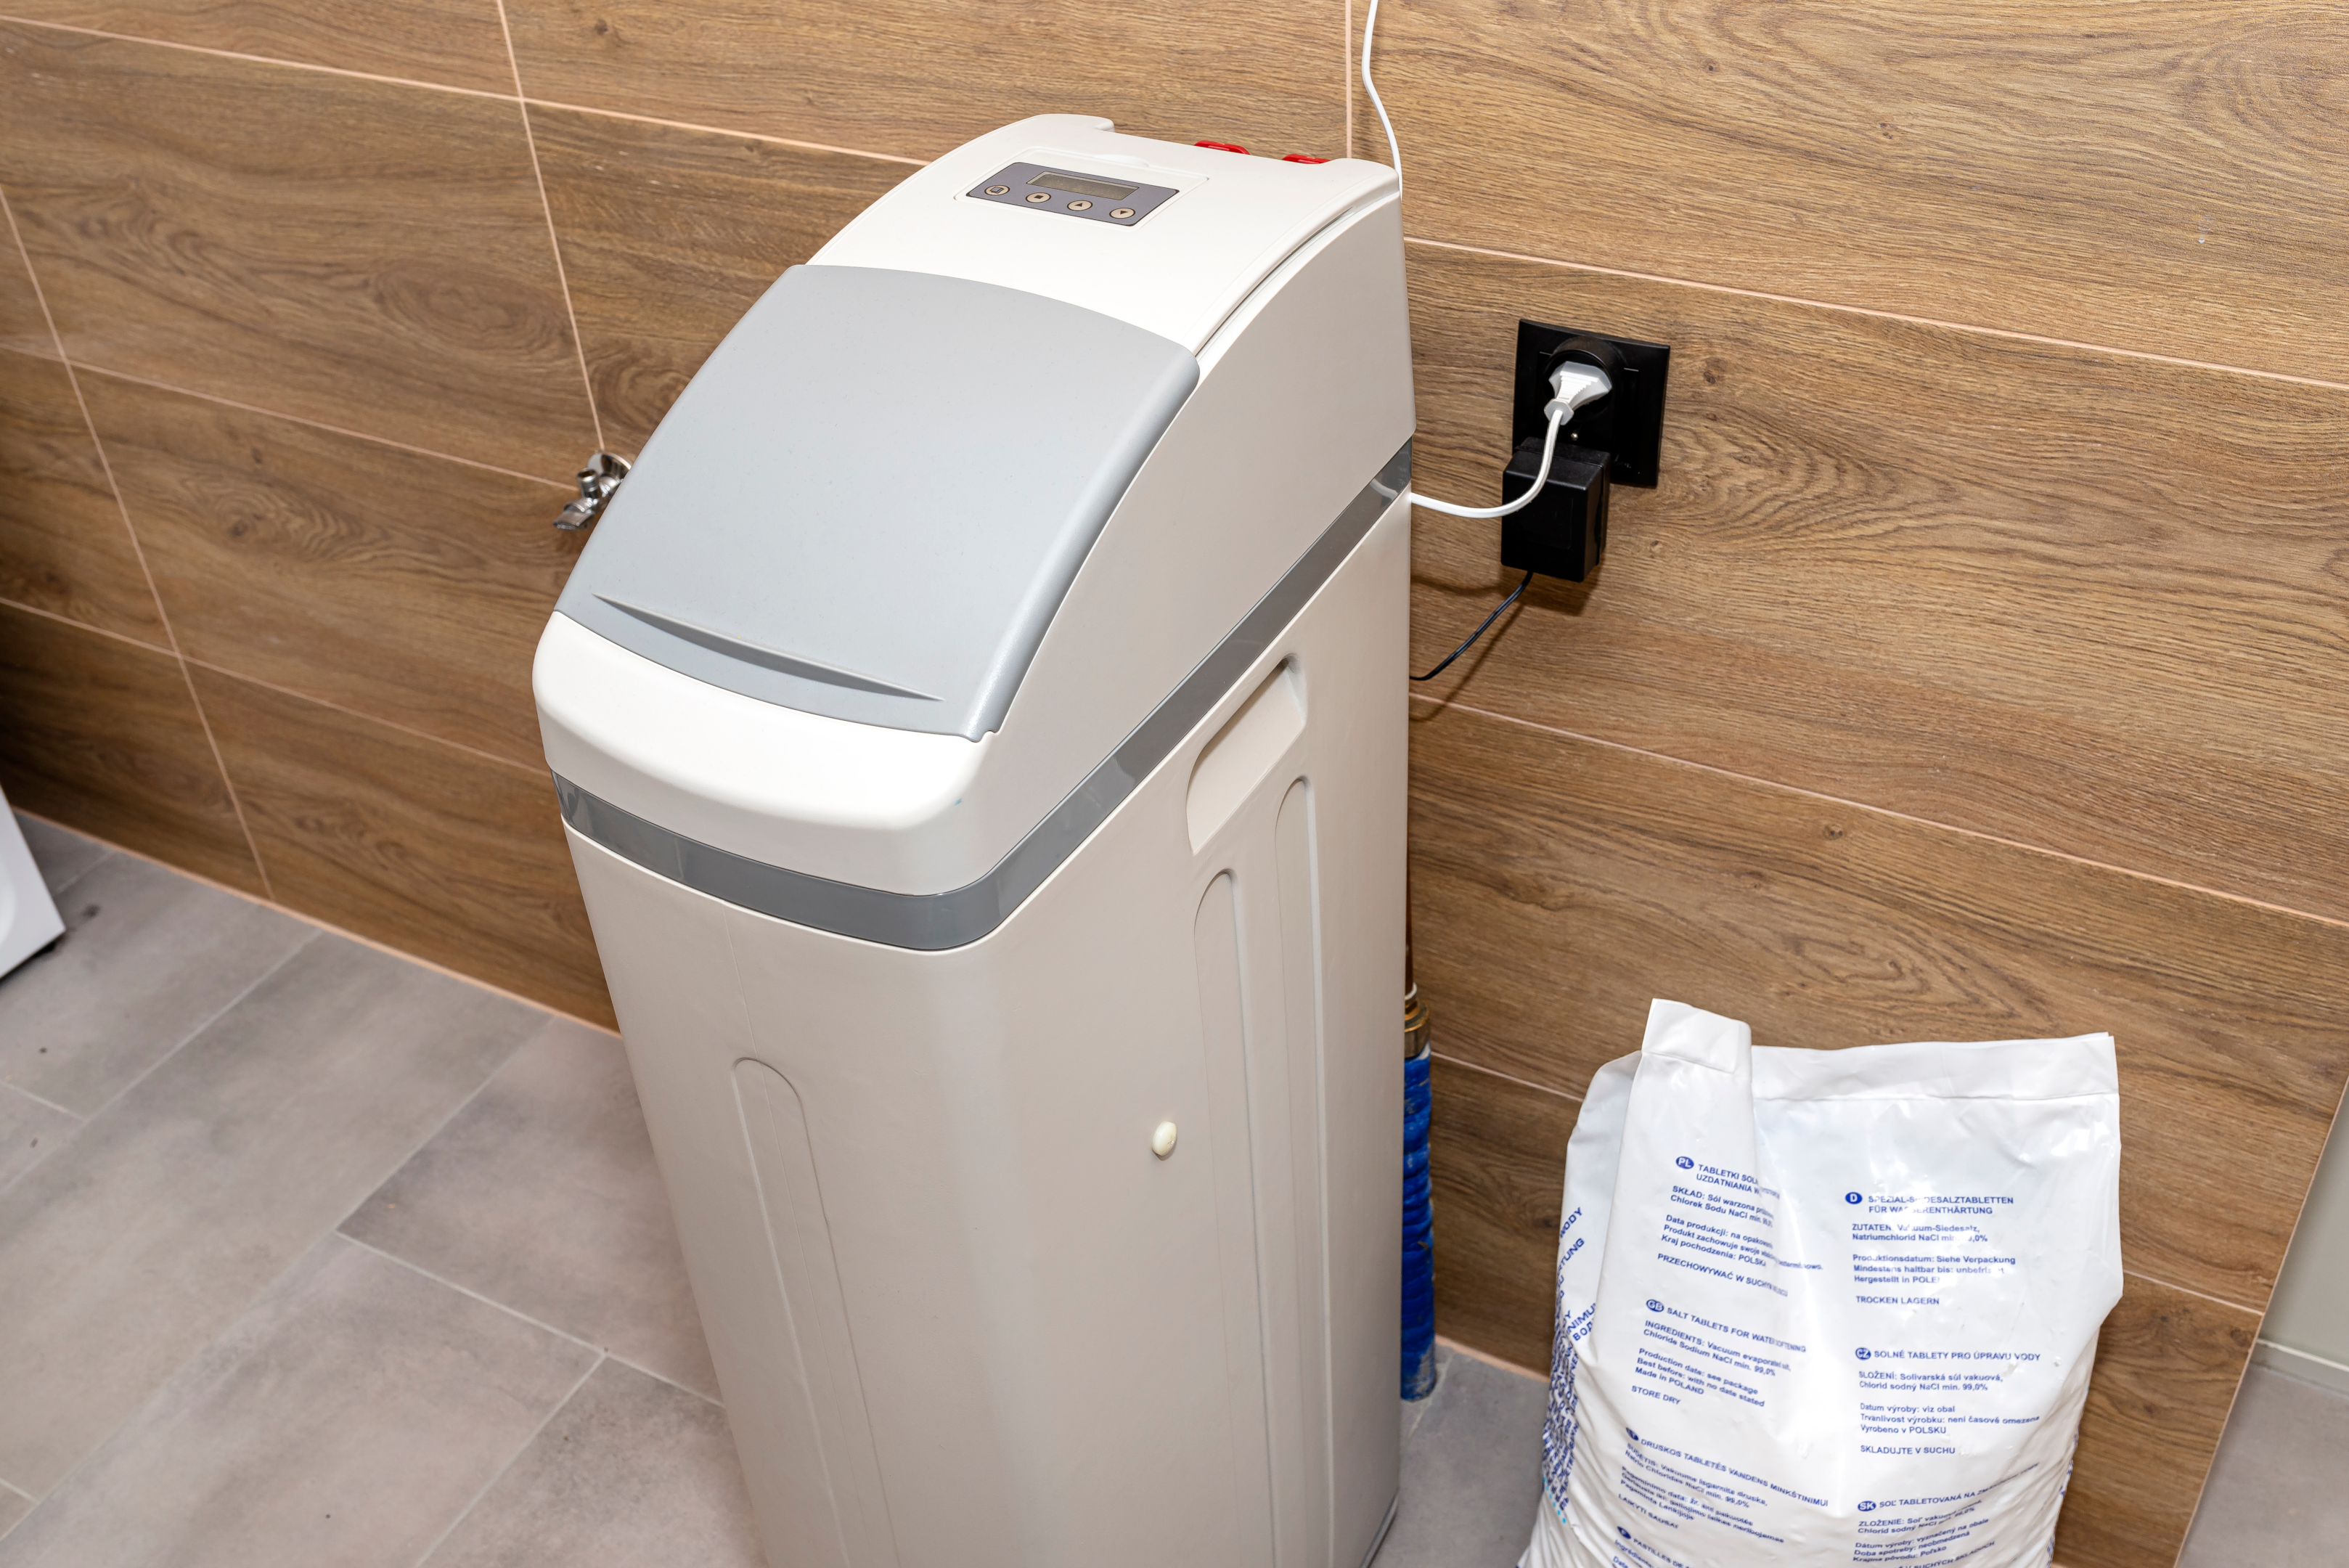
{"points": [[1418, 1208]]}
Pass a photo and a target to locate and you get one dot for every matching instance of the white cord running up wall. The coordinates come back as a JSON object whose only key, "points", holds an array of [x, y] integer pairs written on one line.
{"points": [[1369, 26], [1574, 385]]}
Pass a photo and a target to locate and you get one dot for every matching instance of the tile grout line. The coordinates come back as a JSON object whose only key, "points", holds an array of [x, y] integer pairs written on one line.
{"points": [[554, 236], [1890, 813], [139, 550], [332, 930], [1872, 311], [657, 1377], [1505, 1078], [2199, 1295], [604, 1351], [198, 1029], [85, 1457], [29, 1497], [721, 130], [76, 880], [419, 82], [534, 769], [41, 1100], [398, 1162], [84, 626], [466, 1291], [221, 54], [1419, 239], [310, 423], [466, 1512]]}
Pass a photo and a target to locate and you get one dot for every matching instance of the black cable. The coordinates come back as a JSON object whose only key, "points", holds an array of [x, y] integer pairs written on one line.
{"points": [[1478, 632]]}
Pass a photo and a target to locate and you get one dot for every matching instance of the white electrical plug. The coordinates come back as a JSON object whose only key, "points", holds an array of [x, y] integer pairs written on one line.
{"points": [[1577, 384]]}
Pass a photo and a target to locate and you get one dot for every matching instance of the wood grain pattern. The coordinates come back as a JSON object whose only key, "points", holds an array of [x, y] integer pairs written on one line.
{"points": [[915, 77], [1560, 885], [63, 545], [23, 328], [366, 254], [2076, 600], [2166, 1364], [2167, 1370], [2162, 176], [668, 236], [100, 735], [409, 842], [408, 587], [454, 42], [1497, 1160]]}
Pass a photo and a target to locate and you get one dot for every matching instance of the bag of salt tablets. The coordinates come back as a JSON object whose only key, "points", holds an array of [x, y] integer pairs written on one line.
{"points": [[1826, 1307]]}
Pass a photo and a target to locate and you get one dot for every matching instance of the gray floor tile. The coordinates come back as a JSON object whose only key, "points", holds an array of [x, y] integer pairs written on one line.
{"points": [[13, 1507], [171, 1209], [543, 1194], [29, 1131], [633, 1474], [148, 956], [61, 854], [2275, 1498], [1471, 1469], [347, 1418]]}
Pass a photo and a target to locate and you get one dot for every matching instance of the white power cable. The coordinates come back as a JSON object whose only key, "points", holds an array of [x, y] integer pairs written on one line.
{"points": [[1574, 384], [1369, 26], [1549, 450], [1588, 382]]}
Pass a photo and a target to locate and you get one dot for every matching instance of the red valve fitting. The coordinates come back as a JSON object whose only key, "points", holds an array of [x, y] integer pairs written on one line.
{"points": [[1300, 158], [1225, 147]]}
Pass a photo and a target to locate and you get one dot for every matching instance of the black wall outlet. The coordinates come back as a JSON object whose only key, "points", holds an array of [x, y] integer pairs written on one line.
{"points": [[1628, 424], [1562, 532]]}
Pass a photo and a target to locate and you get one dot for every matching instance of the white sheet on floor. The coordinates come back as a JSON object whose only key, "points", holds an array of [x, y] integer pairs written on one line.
{"points": [[1826, 1307]]}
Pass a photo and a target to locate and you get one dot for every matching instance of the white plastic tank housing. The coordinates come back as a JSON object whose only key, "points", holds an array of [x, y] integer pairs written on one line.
{"points": [[979, 724]]}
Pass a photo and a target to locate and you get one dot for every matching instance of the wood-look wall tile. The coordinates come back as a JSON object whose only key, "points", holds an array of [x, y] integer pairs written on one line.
{"points": [[409, 587], [2073, 599], [1496, 1164], [454, 42], [363, 253], [1560, 885], [2162, 177], [669, 236], [2166, 1364], [2167, 1370], [63, 545], [410, 843], [915, 77], [101, 735], [23, 326]]}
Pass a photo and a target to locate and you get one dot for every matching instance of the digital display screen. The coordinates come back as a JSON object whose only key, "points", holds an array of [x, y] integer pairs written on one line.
{"points": [[1052, 180]]}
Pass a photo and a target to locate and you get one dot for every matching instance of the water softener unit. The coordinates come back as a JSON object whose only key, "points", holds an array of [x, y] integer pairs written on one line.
{"points": [[980, 721]]}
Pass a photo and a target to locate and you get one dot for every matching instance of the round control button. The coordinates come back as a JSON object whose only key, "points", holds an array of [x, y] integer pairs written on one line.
{"points": [[1121, 212], [1080, 206], [998, 190], [1037, 196]]}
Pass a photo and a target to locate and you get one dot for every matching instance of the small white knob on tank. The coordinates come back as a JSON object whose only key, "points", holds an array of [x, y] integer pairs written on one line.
{"points": [[1162, 1139]]}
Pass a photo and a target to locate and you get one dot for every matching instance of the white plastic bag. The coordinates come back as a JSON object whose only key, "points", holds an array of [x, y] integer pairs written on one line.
{"points": [[1826, 1307]]}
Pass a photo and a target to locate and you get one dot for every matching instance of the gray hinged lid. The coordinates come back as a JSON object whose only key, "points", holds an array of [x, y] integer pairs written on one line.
{"points": [[872, 499]]}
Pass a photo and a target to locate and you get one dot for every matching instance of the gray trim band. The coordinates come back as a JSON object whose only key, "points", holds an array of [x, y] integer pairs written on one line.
{"points": [[930, 922]]}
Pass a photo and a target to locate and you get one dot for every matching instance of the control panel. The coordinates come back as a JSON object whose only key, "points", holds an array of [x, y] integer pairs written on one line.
{"points": [[1088, 196]]}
